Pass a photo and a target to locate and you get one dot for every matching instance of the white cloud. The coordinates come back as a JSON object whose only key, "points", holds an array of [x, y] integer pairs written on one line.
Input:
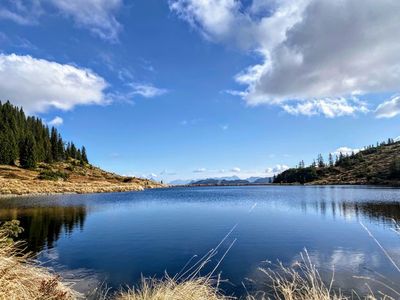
{"points": [[57, 121], [388, 109], [235, 170], [22, 13], [38, 84], [146, 90], [345, 151], [200, 170], [96, 15], [214, 19], [329, 108], [309, 49], [277, 169]]}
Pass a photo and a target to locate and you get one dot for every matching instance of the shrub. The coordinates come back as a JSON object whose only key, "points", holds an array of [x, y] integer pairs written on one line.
{"points": [[53, 175]]}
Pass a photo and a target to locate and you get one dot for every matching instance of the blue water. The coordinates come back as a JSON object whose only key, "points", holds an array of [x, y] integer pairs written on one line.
{"points": [[115, 238]]}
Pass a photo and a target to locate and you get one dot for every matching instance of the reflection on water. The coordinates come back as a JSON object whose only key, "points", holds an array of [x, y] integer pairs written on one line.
{"points": [[121, 236], [384, 213], [44, 225]]}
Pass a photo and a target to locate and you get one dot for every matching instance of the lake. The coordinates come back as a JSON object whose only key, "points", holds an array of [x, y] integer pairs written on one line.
{"points": [[118, 237]]}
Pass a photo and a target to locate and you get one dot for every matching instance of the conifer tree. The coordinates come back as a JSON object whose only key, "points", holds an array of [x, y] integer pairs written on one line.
{"points": [[84, 155], [330, 160], [60, 148], [73, 151], [320, 160], [16, 128], [78, 155], [28, 153]]}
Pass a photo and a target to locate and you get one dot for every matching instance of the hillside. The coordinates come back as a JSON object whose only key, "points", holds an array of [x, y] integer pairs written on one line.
{"points": [[69, 176], [378, 164]]}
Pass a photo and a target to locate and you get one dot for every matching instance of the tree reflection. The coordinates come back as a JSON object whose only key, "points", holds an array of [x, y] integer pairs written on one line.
{"points": [[44, 225]]}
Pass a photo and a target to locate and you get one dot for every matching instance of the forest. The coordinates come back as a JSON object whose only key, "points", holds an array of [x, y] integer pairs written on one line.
{"points": [[374, 164], [27, 140]]}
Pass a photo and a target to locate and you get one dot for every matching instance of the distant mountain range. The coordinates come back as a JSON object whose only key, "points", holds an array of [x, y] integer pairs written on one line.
{"points": [[231, 180]]}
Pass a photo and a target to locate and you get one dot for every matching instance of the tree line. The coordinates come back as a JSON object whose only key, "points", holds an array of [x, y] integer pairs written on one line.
{"points": [[28, 140], [320, 167]]}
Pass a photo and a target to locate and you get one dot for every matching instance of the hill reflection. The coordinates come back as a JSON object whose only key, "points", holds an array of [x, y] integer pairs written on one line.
{"points": [[374, 211], [43, 226]]}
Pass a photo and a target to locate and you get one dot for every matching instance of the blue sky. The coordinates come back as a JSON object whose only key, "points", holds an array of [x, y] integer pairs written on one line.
{"points": [[192, 88]]}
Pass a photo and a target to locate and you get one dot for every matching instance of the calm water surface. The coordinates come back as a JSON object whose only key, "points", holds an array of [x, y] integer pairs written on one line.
{"points": [[117, 237]]}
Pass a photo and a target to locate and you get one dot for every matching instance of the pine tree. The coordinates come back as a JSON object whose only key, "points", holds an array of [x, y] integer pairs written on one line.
{"points": [[84, 155], [8, 148], [28, 155], [15, 127], [60, 149], [73, 151], [330, 160], [79, 155], [320, 160], [54, 145]]}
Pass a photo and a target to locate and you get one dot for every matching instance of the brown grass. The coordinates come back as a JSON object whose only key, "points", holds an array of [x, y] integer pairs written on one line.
{"points": [[78, 179], [169, 289], [21, 279]]}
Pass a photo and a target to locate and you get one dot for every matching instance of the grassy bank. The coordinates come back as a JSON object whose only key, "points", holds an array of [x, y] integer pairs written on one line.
{"points": [[21, 278], [65, 178]]}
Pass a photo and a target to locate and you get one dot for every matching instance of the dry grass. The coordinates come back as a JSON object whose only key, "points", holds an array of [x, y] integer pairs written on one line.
{"points": [[169, 289], [21, 279], [81, 179], [301, 281]]}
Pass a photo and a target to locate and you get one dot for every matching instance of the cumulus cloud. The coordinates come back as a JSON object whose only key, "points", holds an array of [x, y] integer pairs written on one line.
{"points": [[57, 121], [99, 16], [96, 15], [235, 170], [388, 109], [305, 55], [345, 151], [38, 84]]}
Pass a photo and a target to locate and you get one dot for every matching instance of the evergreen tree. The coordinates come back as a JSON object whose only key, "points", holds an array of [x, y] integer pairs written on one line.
{"points": [[28, 153], [84, 155], [60, 149], [330, 160], [17, 132], [78, 155], [8, 148], [73, 151], [54, 145], [320, 160]]}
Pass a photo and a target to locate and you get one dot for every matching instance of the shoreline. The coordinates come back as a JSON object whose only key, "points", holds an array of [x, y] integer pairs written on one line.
{"points": [[67, 178], [76, 193]]}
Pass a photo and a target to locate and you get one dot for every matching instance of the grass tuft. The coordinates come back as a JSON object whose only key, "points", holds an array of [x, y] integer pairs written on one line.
{"points": [[21, 279], [151, 289]]}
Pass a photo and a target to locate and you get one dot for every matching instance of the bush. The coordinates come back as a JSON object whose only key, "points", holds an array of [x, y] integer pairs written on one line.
{"points": [[53, 175]]}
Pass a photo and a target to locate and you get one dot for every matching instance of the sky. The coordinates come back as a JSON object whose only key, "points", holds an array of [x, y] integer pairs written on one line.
{"points": [[186, 89]]}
